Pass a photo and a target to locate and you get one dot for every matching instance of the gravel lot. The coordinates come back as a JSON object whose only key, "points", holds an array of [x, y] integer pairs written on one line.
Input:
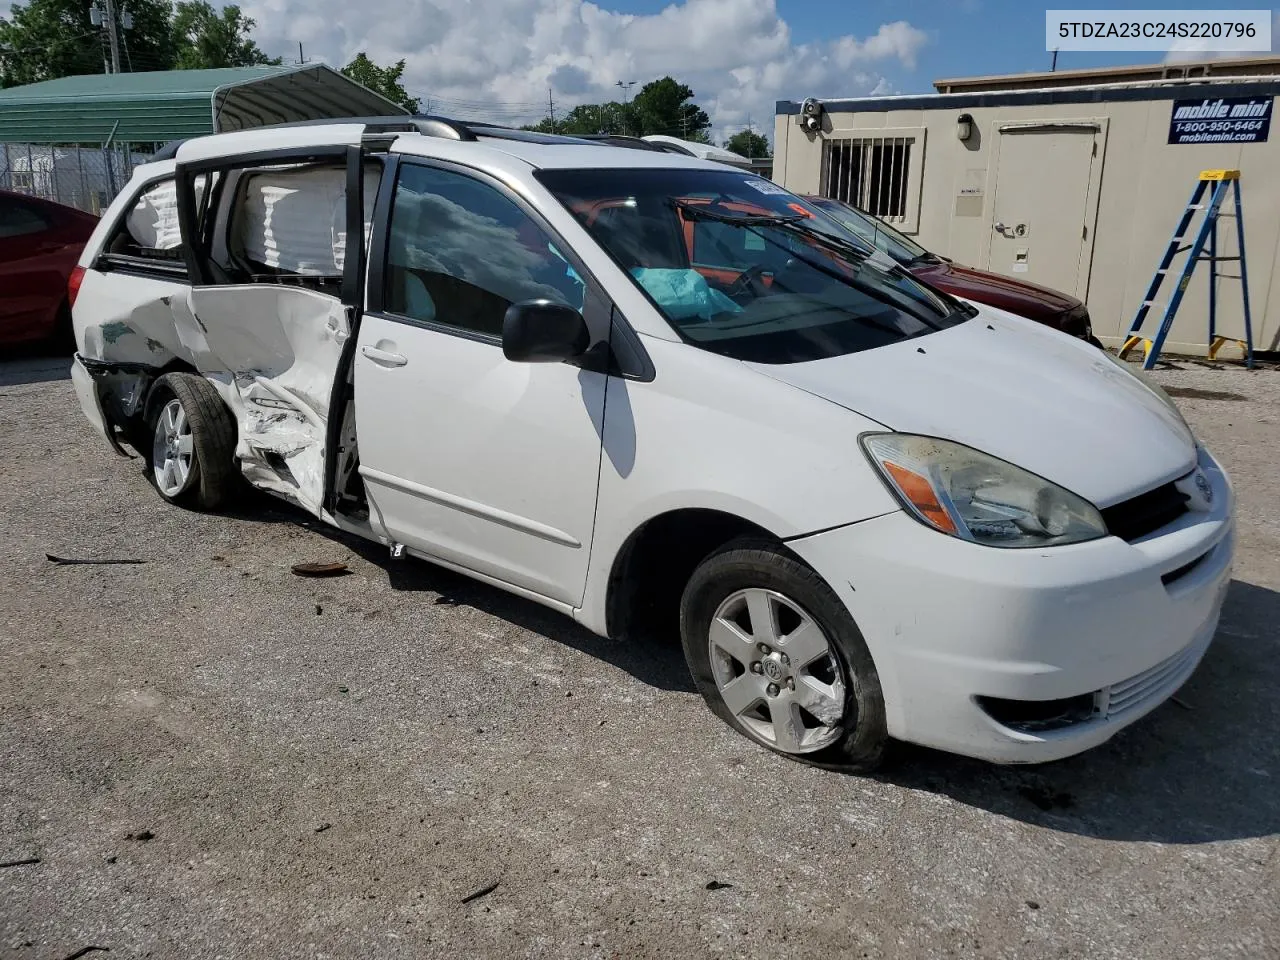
{"points": [[210, 757]]}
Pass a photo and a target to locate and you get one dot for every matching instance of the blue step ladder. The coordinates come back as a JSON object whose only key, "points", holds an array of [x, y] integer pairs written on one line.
{"points": [[1221, 181]]}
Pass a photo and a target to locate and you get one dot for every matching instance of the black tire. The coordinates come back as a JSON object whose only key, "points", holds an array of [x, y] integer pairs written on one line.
{"points": [[1094, 341], [214, 477], [747, 563]]}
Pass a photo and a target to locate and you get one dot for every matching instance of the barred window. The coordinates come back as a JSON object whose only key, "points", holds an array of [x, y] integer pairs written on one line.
{"points": [[871, 173]]}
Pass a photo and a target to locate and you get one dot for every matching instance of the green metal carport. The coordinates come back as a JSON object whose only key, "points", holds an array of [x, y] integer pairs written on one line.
{"points": [[155, 107]]}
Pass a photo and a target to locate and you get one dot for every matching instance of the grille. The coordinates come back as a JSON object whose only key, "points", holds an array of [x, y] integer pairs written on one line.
{"points": [[1145, 513], [1120, 698]]}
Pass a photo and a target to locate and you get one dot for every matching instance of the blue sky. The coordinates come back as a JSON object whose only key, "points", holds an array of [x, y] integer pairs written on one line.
{"points": [[966, 37], [500, 60]]}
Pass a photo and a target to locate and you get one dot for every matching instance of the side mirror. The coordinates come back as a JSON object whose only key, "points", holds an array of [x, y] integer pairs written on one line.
{"points": [[542, 331]]}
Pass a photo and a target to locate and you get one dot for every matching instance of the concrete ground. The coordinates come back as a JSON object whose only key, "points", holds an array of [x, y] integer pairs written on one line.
{"points": [[207, 756]]}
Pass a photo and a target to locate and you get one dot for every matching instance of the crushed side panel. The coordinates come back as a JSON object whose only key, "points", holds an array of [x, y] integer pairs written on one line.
{"points": [[273, 352]]}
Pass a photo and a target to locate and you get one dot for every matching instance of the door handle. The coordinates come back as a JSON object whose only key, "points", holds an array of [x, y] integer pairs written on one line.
{"points": [[384, 358]]}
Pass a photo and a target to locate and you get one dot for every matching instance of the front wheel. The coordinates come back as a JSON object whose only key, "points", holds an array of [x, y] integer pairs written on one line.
{"points": [[777, 656]]}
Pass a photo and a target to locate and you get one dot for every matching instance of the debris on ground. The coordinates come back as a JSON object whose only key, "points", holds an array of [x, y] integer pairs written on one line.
{"points": [[323, 827], [85, 950], [717, 885], [72, 562], [482, 892], [334, 569], [142, 836], [19, 863]]}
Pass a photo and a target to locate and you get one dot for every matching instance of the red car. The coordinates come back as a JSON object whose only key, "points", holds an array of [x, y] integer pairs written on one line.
{"points": [[40, 243], [1059, 310]]}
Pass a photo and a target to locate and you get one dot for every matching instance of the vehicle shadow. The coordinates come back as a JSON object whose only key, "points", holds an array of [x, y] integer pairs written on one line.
{"points": [[657, 661], [31, 366], [1202, 768]]}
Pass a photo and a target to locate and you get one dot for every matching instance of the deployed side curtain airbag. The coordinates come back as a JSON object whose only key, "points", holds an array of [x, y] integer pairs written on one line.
{"points": [[295, 220], [153, 221]]}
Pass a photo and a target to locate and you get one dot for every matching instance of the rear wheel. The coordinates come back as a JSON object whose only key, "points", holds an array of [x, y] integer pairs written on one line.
{"points": [[193, 442], [777, 656]]}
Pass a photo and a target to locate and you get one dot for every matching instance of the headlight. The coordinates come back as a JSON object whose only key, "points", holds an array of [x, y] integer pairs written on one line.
{"points": [[1150, 384], [962, 492]]}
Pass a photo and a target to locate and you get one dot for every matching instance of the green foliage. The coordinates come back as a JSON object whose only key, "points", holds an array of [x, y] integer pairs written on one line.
{"points": [[748, 143], [47, 39], [660, 107], [383, 80], [205, 38], [663, 106]]}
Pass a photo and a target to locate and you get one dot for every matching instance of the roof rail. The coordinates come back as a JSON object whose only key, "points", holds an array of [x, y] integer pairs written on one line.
{"points": [[167, 152], [620, 140]]}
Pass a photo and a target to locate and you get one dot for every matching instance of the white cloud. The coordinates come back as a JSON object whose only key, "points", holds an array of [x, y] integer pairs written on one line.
{"points": [[496, 58]]}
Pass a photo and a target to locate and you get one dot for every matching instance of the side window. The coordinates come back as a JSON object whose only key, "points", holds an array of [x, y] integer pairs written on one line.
{"points": [[461, 252], [18, 219], [147, 236], [289, 225]]}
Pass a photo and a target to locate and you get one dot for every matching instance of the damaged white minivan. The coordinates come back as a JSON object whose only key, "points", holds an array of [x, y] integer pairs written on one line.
{"points": [[657, 393]]}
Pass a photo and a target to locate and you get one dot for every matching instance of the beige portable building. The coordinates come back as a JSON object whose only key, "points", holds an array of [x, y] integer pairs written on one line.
{"points": [[1073, 180]]}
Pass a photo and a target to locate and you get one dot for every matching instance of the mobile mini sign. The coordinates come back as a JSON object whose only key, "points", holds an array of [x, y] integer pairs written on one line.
{"points": [[1221, 120]]}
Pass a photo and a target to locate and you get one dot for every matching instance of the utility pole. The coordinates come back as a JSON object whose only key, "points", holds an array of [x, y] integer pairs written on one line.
{"points": [[108, 20], [626, 86], [301, 58], [1054, 66], [113, 35], [551, 109]]}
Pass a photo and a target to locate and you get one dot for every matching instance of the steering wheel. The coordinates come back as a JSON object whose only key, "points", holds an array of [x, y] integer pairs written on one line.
{"points": [[749, 283]]}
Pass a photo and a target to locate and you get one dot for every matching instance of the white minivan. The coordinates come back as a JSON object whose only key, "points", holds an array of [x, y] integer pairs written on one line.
{"points": [[661, 394]]}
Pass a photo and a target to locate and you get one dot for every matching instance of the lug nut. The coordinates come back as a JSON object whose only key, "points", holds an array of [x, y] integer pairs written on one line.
{"points": [[756, 668], [791, 683], [764, 648], [773, 690], [786, 661]]}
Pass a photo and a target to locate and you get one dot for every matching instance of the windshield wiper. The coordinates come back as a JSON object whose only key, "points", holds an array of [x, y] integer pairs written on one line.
{"points": [[793, 224]]}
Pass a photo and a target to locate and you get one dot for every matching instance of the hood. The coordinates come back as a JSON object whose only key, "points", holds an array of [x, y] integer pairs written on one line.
{"points": [[1031, 396], [1016, 296]]}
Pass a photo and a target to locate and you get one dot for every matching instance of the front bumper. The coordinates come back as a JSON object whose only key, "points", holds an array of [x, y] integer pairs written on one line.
{"points": [[948, 622]]}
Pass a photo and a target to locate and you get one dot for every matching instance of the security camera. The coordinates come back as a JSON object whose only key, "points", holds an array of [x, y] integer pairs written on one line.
{"points": [[811, 114]]}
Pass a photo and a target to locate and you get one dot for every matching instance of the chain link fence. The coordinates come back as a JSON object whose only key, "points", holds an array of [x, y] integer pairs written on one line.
{"points": [[87, 177]]}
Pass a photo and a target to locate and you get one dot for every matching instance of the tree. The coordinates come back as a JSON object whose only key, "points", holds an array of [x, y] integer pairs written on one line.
{"points": [[47, 39], [205, 38], [587, 118], [748, 143], [383, 80], [662, 106]]}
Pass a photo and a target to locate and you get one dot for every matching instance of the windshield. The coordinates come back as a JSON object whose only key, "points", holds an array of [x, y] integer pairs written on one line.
{"points": [[739, 266], [886, 239]]}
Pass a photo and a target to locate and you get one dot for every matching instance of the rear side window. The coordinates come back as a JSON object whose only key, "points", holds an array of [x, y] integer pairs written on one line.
{"points": [[289, 225], [18, 219], [461, 252], [147, 238]]}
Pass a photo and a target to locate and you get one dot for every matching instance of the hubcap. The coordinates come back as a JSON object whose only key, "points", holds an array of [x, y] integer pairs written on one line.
{"points": [[171, 449], [776, 671]]}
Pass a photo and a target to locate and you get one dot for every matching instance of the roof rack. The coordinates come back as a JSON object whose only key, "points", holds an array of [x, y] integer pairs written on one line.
{"points": [[620, 140], [380, 129]]}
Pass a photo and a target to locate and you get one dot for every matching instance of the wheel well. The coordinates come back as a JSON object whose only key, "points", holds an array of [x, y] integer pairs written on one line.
{"points": [[137, 430], [651, 570]]}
